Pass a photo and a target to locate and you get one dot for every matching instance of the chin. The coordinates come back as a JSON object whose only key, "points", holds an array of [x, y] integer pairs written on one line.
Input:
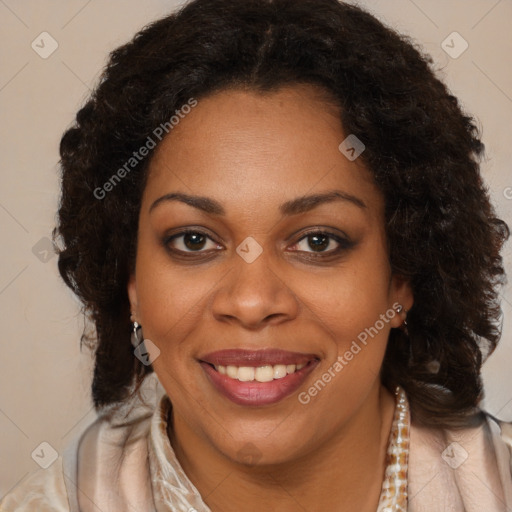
{"points": [[265, 450]]}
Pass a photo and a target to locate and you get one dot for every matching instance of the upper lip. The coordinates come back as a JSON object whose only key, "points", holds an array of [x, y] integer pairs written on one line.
{"points": [[263, 357]]}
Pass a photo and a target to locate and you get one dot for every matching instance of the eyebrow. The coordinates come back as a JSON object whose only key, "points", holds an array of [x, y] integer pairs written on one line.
{"points": [[292, 207]]}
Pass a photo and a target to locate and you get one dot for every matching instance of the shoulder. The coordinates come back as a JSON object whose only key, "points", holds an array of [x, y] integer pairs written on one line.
{"points": [[43, 490], [500, 433], [465, 469], [110, 453]]}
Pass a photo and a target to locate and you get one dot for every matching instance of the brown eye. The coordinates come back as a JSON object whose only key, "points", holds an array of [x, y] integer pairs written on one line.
{"points": [[194, 241], [190, 241], [318, 242], [322, 246]]}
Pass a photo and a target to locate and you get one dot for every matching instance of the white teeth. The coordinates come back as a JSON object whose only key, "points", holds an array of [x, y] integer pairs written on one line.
{"points": [[246, 373], [279, 371], [264, 374], [232, 371], [259, 374]]}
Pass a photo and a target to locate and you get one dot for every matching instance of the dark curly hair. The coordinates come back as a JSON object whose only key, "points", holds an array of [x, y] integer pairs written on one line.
{"points": [[421, 148]]}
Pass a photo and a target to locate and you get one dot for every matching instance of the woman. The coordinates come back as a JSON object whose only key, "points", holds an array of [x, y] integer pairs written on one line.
{"points": [[276, 207]]}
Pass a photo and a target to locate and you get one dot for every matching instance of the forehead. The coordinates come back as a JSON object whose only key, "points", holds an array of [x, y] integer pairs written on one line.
{"points": [[258, 149]]}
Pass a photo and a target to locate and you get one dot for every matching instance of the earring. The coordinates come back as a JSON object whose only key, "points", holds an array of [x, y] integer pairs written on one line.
{"points": [[399, 309], [136, 336]]}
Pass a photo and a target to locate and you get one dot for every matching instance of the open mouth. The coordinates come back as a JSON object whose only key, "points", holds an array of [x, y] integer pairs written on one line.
{"points": [[265, 373], [259, 377]]}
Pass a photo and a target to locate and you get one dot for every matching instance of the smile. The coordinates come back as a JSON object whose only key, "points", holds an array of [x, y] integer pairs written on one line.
{"points": [[256, 378], [259, 374]]}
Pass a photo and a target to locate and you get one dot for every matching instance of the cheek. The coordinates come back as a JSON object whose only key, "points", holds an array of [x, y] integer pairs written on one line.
{"points": [[351, 298], [171, 303], [353, 305], [354, 318]]}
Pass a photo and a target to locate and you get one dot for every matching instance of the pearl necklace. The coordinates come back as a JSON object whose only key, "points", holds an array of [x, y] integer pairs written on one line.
{"points": [[393, 496]]}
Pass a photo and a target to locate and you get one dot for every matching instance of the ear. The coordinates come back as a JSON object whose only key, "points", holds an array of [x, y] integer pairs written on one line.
{"points": [[400, 295], [132, 295]]}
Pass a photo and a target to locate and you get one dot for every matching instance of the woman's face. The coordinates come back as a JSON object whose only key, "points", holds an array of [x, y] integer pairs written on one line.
{"points": [[285, 268]]}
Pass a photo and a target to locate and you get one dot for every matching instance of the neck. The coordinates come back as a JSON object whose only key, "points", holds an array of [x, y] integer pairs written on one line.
{"points": [[344, 473]]}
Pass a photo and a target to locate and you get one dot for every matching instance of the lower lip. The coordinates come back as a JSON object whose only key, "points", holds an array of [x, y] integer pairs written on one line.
{"points": [[257, 393]]}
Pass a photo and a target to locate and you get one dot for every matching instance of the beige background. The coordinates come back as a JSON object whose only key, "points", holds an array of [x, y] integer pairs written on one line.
{"points": [[44, 379]]}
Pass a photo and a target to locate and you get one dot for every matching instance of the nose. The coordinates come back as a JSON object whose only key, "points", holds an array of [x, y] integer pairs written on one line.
{"points": [[254, 295]]}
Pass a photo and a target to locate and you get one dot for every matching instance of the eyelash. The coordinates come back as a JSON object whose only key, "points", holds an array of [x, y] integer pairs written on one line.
{"points": [[344, 243]]}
